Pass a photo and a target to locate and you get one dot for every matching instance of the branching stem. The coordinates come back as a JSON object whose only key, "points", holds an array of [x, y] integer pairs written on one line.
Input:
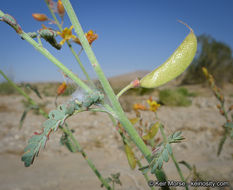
{"points": [[70, 46], [173, 157], [108, 89]]}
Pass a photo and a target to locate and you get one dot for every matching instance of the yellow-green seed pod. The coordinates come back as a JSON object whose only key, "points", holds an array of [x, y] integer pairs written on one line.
{"points": [[152, 132], [174, 66], [130, 156]]}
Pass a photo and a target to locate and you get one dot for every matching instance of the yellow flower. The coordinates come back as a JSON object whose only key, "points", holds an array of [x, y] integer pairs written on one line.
{"points": [[91, 37], [66, 34], [153, 105]]}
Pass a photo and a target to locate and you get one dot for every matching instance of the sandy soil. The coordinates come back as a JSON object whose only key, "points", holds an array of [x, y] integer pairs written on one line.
{"points": [[57, 168]]}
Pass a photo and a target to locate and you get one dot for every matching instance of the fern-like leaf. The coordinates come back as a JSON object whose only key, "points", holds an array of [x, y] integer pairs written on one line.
{"points": [[38, 141]]}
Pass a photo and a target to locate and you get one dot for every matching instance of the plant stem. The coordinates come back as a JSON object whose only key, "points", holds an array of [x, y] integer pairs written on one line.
{"points": [[108, 90], [145, 175], [173, 157], [89, 162], [24, 94], [70, 46], [124, 90]]}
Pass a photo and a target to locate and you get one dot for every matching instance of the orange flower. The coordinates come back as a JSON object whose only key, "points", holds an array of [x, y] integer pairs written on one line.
{"points": [[153, 104], [66, 34], [61, 89], [39, 17], [60, 8], [139, 107], [91, 37]]}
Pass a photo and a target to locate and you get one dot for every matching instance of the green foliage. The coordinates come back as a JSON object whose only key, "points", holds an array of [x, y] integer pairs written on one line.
{"points": [[57, 118], [162, 153], [34, 89], [229, 125], [66, 141], [49, 89], [141, 91], [49, 35], [38, 141], [186, 164], [27, 109], [176, 97], [213, 55], [175, 137], [114, 179], [7, 89]]}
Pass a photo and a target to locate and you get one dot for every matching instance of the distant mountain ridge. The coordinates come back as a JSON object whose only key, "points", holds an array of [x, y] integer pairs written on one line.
{"points": [[124, 79]]}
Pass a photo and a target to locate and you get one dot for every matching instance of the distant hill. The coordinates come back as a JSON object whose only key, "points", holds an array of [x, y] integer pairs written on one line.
{"points": [[124, 79]]}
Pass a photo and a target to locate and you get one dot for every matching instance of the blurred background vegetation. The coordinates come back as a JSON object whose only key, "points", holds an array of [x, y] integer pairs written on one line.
{"points": [[216, 57]]}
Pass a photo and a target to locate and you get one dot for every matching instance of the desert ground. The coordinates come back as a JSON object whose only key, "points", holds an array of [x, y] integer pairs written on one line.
{"points": [[57, 168]]}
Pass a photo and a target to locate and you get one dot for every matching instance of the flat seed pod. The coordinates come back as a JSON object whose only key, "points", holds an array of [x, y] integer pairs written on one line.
{"points": [[130, 156], [174, 66], [152, 132]]}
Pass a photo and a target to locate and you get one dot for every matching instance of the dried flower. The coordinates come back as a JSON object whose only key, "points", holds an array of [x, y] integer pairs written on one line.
{"points": [[219, 106], [91, 37], [39, 17], [61, 89], [231, 108], [60, 8], [139, 107], [66, 34]]}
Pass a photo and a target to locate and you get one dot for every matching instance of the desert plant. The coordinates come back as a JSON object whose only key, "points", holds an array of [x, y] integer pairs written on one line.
{"points": [[175, 97], [225, 112], [216, 57], [91, 98], [5, 89]]}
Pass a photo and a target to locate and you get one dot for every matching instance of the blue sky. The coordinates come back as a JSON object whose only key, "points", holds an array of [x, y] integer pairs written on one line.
{"points": [[133, 34]]}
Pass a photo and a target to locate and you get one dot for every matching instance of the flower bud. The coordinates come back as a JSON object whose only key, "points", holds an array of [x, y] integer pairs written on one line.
{"points": [[205, 72], [61, 89], [39, 17], [60, 8], [231, 108], [219, 106]]}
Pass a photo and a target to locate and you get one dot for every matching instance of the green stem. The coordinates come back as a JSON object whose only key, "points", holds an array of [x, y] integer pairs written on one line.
{"points": [[24, 94], [145, 174], [109, 91], [222, 141], [70, 46], [173, 157], [103, 79], [89, 162], [129, 86]]}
